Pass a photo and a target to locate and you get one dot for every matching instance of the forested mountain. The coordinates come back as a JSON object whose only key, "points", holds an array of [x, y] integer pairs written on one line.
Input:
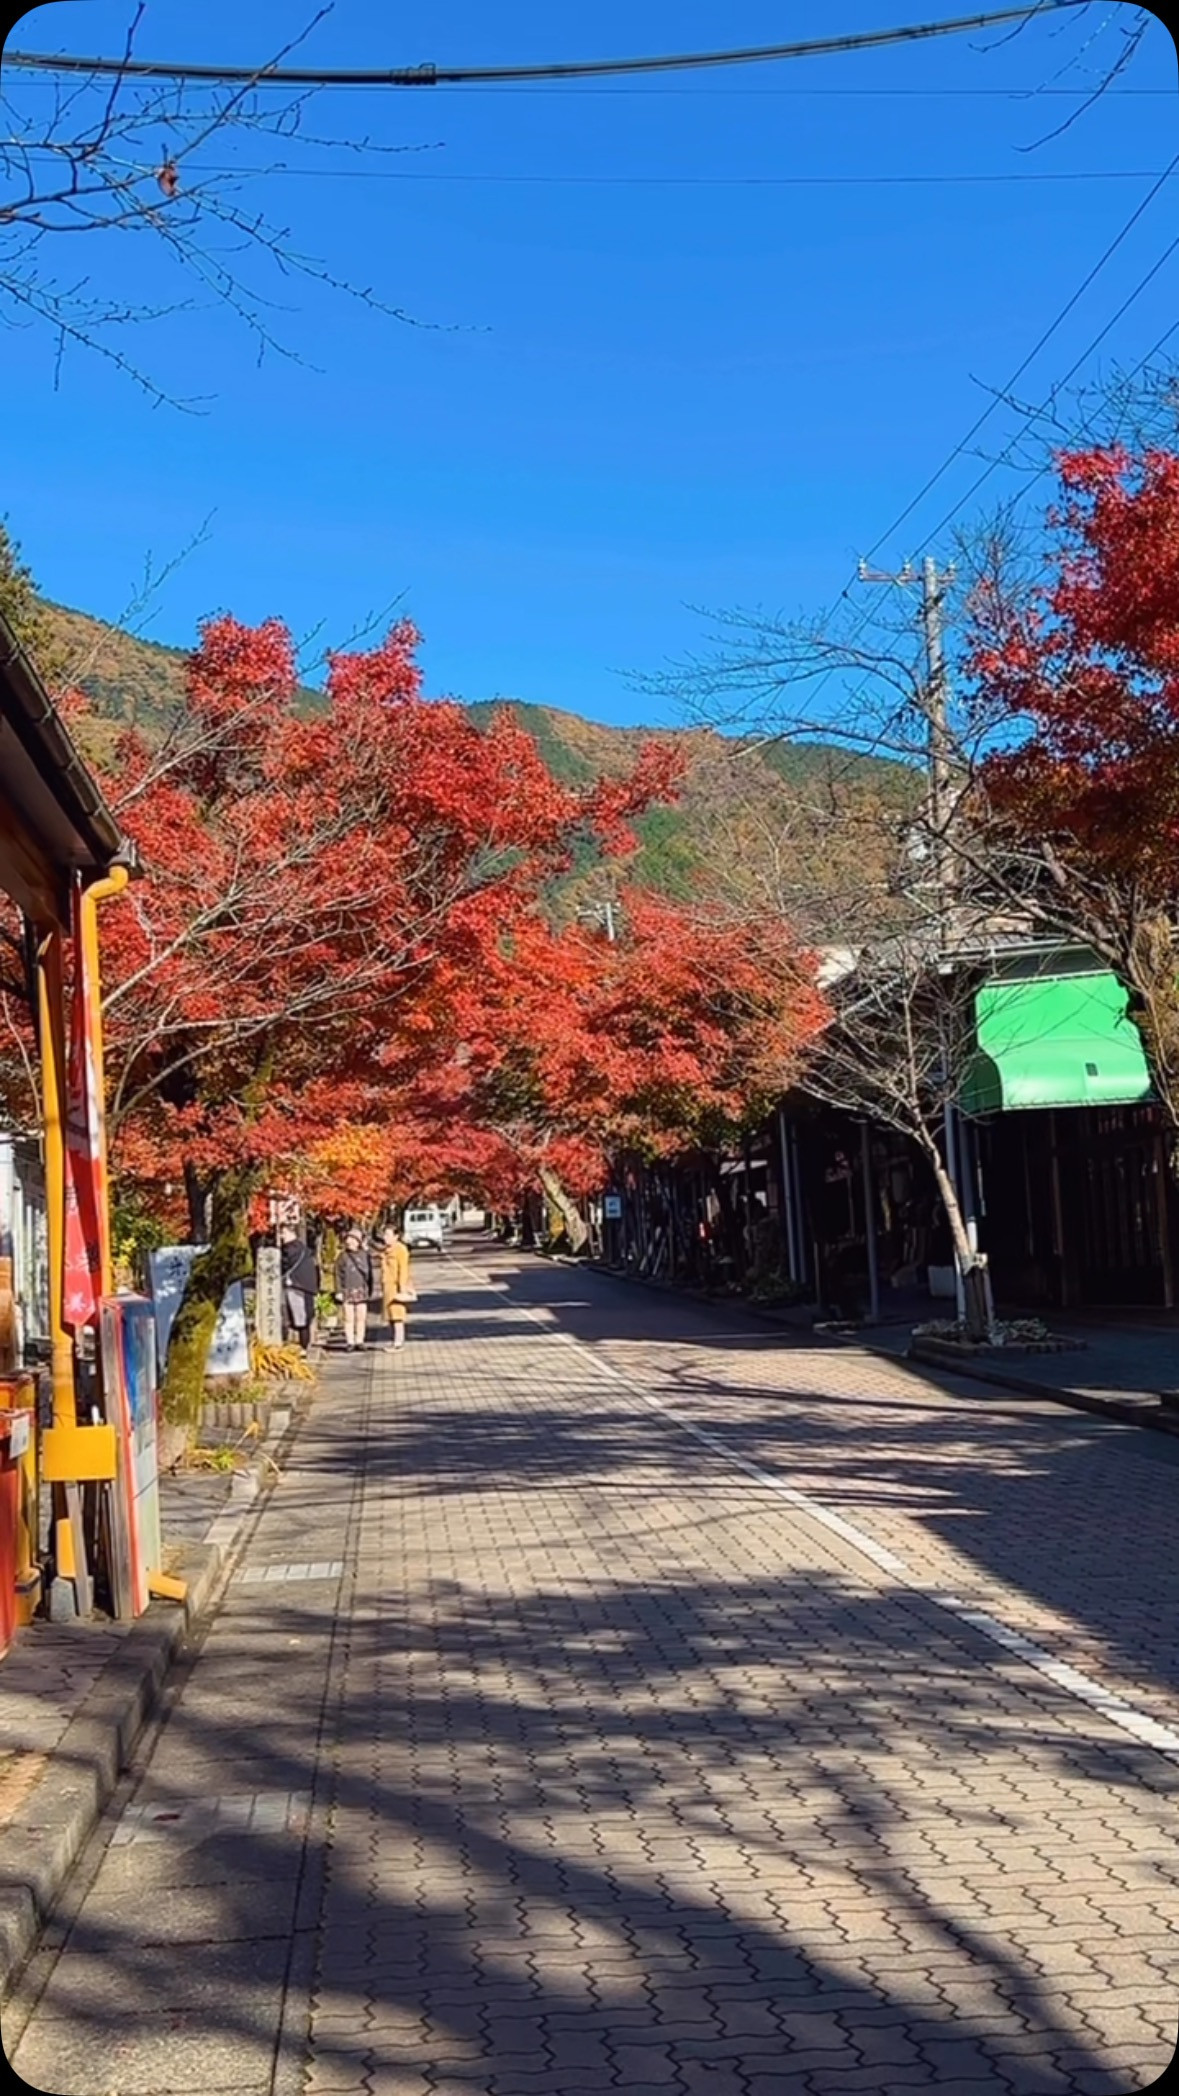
{"points": [[783, 818]]}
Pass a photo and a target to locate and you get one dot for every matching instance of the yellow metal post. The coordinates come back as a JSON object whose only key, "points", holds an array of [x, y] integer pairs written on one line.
{"points": [[68, 1556], [100, 891], [51, 1011]]}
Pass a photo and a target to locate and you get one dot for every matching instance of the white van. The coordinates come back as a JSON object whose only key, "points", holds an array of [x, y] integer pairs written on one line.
{"points": [[424, 1229]]}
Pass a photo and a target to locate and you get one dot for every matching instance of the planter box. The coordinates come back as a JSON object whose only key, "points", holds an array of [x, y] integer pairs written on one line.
{"points": [[223, 1414], [959, 1350]]}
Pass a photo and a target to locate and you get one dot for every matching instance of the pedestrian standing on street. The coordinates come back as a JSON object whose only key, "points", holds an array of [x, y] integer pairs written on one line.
{"points": [[300, 1283], [354, 1286], [397, 1288]]}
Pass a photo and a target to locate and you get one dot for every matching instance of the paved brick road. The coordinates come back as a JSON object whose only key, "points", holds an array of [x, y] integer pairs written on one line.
{"points": [[564, 1751]]}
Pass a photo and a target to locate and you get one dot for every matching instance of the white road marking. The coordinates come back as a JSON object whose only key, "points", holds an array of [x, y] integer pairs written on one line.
{"points": [[1135, 1723]]}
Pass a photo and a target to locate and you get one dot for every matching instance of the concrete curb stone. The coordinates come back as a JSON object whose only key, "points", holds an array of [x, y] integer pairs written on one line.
{"points": [[1145, 1411], [48, 1832]]}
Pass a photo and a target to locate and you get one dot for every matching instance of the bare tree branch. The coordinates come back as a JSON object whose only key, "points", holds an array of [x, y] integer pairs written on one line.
{"points": [[120, 157]]}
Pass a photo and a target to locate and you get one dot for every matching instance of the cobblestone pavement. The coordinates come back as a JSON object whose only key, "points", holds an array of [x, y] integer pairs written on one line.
{"points": [[49, 1673], [637, 1701]]}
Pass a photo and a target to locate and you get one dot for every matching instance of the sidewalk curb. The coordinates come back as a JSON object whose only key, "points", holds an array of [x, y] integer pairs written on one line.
{"points": [[1158, 1418], [1155, 1415], [48, 1832]]}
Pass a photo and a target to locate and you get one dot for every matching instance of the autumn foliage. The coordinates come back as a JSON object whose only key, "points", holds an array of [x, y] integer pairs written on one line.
{"points": [[339, 972], [1082, 672], [675, 1036], [1085, 669], [318, 893]]}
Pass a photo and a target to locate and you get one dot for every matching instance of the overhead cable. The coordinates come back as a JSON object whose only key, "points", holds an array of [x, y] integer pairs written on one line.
{"points": [[1004, 455], [935, 181], [577, 69], [1033, 352]]}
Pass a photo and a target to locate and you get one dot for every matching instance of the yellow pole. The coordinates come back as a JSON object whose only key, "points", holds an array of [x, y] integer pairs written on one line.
{"points": [[100, 891], [51, 1012], [51, 1006]]}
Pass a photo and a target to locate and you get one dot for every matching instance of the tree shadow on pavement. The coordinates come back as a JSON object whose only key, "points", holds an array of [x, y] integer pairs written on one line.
{"points": [[685, 1834], [597, 1818], [619, 1779], [1075, 1514]]}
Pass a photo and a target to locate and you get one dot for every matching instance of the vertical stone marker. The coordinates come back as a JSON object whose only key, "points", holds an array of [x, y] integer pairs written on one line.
{"points": [[268, 1296]]}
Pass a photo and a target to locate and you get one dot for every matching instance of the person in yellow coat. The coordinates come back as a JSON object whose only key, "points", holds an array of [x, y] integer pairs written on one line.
{"points": [[397, 1287]]}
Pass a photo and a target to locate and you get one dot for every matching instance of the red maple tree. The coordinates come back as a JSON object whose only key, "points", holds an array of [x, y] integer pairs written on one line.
{"points": [[320, 890], [1082, 672], [582, 1050]]}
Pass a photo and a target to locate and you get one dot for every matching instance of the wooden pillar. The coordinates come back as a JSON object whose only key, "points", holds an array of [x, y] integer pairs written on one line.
{"points": [[805, 1267], [1162, 1179], [870, 1221], [785, 1203], [1066, 1288]]}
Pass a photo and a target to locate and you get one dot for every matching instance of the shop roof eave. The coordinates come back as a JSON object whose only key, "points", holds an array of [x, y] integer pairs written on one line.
{"points": [[55, 816]]}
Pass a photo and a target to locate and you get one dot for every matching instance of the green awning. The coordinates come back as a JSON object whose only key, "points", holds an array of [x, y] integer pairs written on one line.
{"points": [[1054, 1040]]}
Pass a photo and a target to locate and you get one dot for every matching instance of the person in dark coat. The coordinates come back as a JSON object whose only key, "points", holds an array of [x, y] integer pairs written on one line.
{"points": [[354, 1286], [300, 1284]]}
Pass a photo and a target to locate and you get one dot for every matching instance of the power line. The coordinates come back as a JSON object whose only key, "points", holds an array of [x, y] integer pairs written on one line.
{"points": [[1045, 337], [1087, 424], [361, 174], [1071, 373], [1033, 352], [449, 76], [669, 90]]}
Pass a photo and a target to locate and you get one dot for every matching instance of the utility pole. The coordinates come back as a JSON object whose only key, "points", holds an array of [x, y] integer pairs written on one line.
{"points": [[933, 588], [602, 913], [934, 584]]}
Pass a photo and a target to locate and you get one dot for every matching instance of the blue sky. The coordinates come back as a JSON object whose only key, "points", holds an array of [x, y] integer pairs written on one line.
{"points": [[686, 344]]}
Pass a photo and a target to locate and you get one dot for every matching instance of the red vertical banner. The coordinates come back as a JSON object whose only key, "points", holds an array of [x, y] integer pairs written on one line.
{"points": [[85, 1193]]}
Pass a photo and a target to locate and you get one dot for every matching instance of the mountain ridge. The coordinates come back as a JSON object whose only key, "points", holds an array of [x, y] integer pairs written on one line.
{"points": [[733, 794]]}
